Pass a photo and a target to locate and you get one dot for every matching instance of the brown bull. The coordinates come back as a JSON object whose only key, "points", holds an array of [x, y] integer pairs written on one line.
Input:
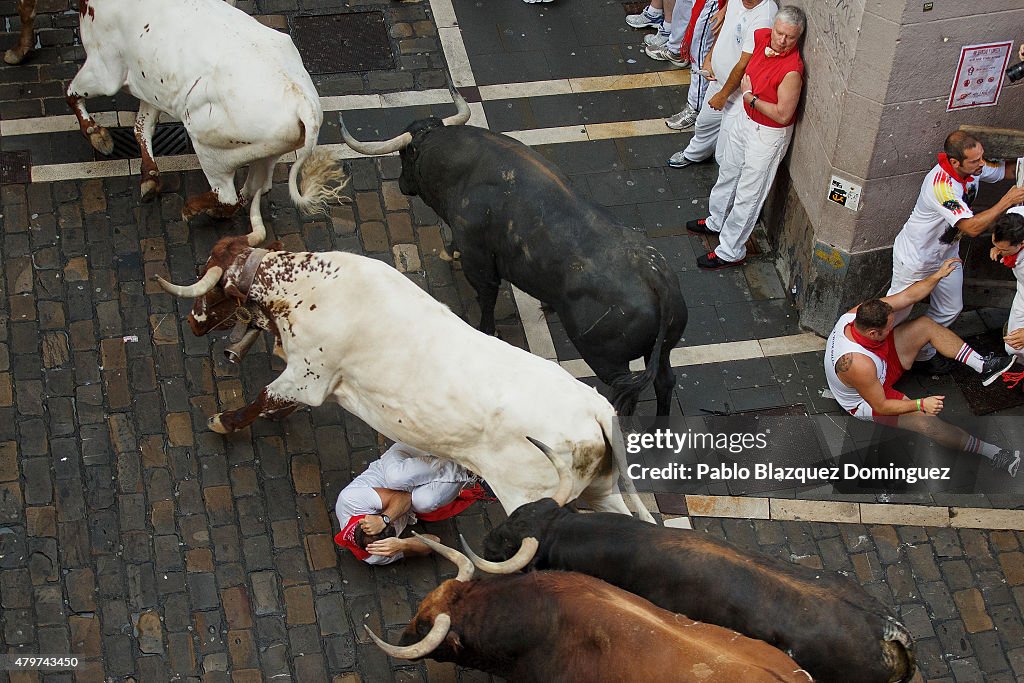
{"points": [[830, 625], [571, 628]]}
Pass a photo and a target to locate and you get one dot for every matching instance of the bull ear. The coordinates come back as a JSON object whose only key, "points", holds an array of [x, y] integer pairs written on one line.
{"points": [[232, 290], [454, 642]]}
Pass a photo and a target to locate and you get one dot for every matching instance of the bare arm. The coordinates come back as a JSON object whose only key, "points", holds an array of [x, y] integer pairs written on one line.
{"points": [[789, 95], [733, 82], [396, 504], [409, 547], [919, 290], [980, 222], [857, 371]]}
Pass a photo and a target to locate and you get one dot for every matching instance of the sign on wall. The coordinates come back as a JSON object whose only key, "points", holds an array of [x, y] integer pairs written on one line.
{"points": [[979, 76], [844, 193]]}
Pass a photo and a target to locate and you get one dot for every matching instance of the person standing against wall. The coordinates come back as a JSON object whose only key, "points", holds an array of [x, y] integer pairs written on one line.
{"points": [[757, 140], [728, 59]]}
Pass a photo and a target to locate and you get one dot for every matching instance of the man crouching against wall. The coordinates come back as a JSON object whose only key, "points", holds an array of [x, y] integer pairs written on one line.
{"points": [[867, 353]]}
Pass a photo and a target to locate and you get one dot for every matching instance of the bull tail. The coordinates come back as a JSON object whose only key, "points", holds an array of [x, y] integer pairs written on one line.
{"points": [[323, 178], [898, 651], [627, 389], [618, 447]]}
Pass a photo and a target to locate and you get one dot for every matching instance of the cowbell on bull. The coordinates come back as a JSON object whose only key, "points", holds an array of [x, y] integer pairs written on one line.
{"points": [[238, 87], [357, 331], [515, 216]]}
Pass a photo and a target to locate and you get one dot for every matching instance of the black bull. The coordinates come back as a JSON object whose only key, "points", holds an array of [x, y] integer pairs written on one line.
{"points": [[828, 624], [515, 216]]}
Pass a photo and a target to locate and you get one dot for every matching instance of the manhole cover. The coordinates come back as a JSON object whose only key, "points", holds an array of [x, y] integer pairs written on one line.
{"points": [[341, 43], [15, 167], [169, 139]]}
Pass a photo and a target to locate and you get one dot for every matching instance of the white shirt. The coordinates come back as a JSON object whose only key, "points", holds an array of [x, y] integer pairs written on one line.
{"points": [[837, 346], [941, 203], [737, 36], [401, 468]]}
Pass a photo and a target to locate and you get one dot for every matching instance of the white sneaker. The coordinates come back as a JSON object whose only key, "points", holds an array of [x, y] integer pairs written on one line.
{"points": [[684, 120], [663, 54], [656, 39], [533, 2], [645, 20]]}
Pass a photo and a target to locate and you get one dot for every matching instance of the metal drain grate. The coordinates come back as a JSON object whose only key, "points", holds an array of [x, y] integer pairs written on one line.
{"points": [[343, 43], [168, 139], [15, 167]]}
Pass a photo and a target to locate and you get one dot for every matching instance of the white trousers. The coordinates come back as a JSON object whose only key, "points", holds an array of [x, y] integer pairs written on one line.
{"points": [[752, 156], [700, 45], [944, 303], [1016, 322], [680, 20], [705, 131]]}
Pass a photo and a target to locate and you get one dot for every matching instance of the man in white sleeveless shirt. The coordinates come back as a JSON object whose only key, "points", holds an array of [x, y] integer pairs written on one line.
{"points": [[867, 353]]}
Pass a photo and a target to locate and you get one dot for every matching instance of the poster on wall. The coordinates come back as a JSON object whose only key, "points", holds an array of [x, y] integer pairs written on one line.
{"points": [[979, 75]]}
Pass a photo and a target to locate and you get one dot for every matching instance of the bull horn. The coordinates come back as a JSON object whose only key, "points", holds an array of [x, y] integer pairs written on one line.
{"points": [[561, 495], [374, 148], [258, 231], [462, 113], [464, 564], [208, 282], [438, 632], [527, 549]]}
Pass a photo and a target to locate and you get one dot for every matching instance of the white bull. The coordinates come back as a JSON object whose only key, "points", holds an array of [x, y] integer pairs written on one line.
{"points": [[239, 88], [357, 331]]}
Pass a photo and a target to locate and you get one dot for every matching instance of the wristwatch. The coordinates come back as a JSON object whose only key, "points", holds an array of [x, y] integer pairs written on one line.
{"points": [[385, 518]]}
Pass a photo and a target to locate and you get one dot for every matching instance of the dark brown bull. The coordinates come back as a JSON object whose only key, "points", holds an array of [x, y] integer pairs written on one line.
{"points": [[827, 623], [571, 628]]}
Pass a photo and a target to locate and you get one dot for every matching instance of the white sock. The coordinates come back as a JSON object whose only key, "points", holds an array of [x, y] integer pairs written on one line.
{"points": [[654, 13], [976, 445], [970, 358]]}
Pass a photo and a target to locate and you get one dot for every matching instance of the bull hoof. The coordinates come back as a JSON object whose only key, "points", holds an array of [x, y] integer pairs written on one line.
{"points": [[101, 141], [216, 425], [12, 57], [150, 189]]}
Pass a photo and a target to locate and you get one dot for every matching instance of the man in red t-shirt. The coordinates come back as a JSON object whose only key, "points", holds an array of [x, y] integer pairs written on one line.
{"points": [[757, 140]]}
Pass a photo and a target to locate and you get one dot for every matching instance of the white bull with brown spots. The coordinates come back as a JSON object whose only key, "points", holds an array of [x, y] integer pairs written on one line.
{"points": [[239, 88], [356, 331]]}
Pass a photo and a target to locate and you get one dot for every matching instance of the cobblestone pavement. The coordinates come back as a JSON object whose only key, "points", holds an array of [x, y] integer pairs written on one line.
{"points": [[156, 550]]}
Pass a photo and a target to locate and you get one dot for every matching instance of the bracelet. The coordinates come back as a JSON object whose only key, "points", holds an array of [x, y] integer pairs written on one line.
{"points": [[920, 407]]}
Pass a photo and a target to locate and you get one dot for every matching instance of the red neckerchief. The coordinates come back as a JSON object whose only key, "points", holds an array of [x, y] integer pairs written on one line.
{"points": [[867, 343], [698, 7], [346, 538], [465, 498], [1011, 260], [948, 168]]}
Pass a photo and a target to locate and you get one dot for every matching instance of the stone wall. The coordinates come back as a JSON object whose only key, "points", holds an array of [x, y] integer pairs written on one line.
{"points": [[878, 74]]}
